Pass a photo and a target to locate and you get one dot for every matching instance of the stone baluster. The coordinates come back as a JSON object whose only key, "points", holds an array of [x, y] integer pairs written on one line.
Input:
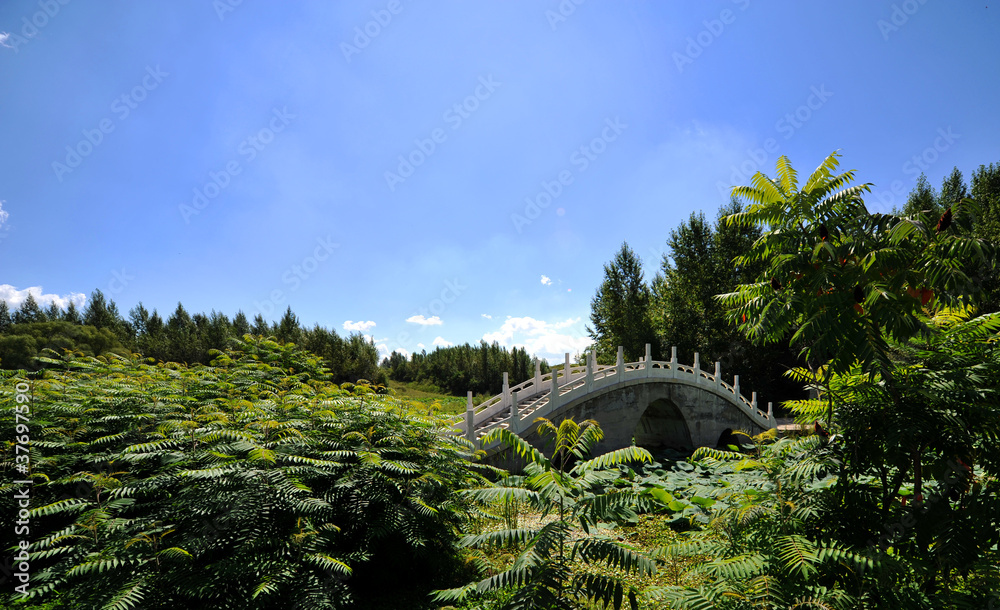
{"points": [[505, 394], [718, 373], [515, 417], [648, 362], [470, 416], [589, 379], [554, 393], [697, 368], [538, 377], [620, 364], [566, 369], [673, 361], [736, 385]]}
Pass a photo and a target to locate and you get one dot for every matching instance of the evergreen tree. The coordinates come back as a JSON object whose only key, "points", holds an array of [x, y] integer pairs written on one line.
{"points": [[240, 324], [29, 311], [5, 320], [260, 326], [72, 314], [52, 312], [288, 328], [620, 310], [952, 189], [922, 198], [99, 313], [986, 193]]}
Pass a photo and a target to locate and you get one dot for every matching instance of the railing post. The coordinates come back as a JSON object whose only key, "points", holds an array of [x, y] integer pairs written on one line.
{"points": [[648, 362], [566, 369], [770, 414], [554, 392], [515, 417], [753, 401], [505, 394], [673, 361], [589, 380], [470, 416], [620, 363], [538, 376], [697, 369], [736, 385], [718, 373]]}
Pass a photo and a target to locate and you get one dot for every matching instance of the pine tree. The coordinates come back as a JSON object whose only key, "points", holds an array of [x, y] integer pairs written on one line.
{"points": [[620, 310], [29, 311], [240, 324], [5, 320], [72, 314], [922, 199], [952, 189]]}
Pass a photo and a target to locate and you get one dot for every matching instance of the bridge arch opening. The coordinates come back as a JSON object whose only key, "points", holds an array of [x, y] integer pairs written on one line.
{"points": [[663, 426]]}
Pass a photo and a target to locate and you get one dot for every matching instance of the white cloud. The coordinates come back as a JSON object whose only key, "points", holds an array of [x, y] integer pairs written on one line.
{"points": [[549, 340], [421, 346], [420, 319], [385, 352], [15, 297], [546, 280], [487, 316], [3, 215], [442, 342], [359, 326]]}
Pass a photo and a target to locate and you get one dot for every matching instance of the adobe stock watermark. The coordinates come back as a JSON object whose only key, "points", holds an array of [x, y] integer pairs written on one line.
{"points": [[31, 26], [249, 148], [22, 495], [296, 274], [364, 35], [581, 159], [224, 7], [565, 9], [714, 28], [899, 17], [916, 164], [122, 106], [787, 126], [119, 281], [454, 117]]}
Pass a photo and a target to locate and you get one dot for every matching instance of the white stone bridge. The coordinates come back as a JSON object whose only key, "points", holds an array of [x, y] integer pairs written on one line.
{"points": [[657, 403]]}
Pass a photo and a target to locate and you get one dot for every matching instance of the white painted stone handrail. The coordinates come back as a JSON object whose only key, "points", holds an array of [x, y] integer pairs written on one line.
{"points": [[535, 397]]}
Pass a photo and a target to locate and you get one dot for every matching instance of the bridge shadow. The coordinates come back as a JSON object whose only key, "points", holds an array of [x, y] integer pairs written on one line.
{"points": [[662, 426]]}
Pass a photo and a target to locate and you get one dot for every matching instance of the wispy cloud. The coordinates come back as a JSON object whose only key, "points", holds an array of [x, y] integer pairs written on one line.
{"points": [[359, 326], [15, 297], [442, 342], [546, 280], [420, 319], [3, 40], [487, 316], [3, 215]]}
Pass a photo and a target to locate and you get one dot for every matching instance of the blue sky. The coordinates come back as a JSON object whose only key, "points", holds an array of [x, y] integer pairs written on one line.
{"points": [[434, 173]]}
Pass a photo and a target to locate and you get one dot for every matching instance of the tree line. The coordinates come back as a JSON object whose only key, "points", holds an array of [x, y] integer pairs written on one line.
{"points": [[462, 368], [679, 306], [182, 337]]}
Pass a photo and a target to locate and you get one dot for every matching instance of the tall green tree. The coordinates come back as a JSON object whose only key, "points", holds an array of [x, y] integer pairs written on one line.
{"points": [[29, 312], [619, 312], [5, 320], [953, 190], [985, 192], [923, 198], [72, 314]]}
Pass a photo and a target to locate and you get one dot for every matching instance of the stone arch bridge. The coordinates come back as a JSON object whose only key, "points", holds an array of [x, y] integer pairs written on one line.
{"points": [[658, 403]]}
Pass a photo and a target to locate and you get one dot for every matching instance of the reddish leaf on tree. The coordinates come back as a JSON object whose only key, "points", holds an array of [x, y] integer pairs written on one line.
{"points": [[945, 221]]}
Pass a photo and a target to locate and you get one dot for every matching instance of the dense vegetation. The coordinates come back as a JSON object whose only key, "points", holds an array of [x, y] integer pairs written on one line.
{"points": [[255, 481], [183, 337]]}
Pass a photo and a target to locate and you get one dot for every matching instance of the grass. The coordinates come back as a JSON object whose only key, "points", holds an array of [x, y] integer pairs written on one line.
{"points": [[428, 399]]}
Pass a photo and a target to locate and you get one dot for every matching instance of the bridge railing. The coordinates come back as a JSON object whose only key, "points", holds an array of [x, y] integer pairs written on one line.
{"points": [[516, 407]]}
